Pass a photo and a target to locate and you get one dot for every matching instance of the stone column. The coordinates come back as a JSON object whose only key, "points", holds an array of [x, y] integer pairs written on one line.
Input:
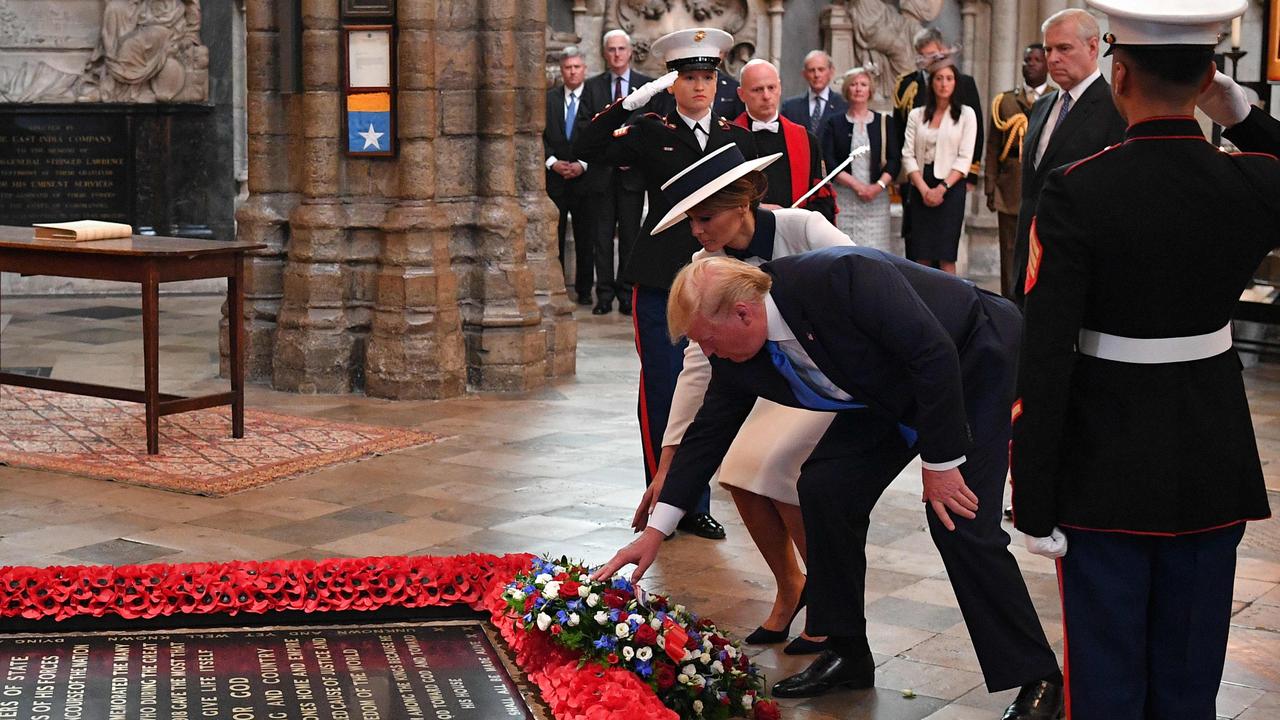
{"points": [[263, 217], [1049, 7], [415, 347], [1006, 50], [312, 345], [837, 35], [776, 11]]}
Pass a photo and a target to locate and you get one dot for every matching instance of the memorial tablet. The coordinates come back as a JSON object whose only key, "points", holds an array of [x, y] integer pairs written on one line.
{"points": [[64, 167], [439, 669]]}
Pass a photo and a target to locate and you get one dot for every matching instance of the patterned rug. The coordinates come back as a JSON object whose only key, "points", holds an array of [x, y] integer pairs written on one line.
{"points": [[107, 439]]}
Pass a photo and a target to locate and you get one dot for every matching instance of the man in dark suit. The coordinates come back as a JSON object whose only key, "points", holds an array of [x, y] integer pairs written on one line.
{"points": [[818, 70], [910, 92], [1134, 458], [622, 203], [915, 362], [574, 191], [661, 146], [1064, 126]]}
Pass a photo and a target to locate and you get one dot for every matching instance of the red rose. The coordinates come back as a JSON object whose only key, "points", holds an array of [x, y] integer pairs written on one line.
{"points": [[646, 635], [766, 710], [665, 675], [718, 641], [616, 599], [612, 658], [555, 630], [569, 589]]}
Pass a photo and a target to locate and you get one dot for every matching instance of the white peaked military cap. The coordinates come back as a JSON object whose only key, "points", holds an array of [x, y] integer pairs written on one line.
{"points": [[1167, 22], [692, 49]]}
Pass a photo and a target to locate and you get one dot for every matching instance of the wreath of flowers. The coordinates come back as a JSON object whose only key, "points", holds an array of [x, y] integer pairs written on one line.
{"points": [[695, 669], [572, 686]]}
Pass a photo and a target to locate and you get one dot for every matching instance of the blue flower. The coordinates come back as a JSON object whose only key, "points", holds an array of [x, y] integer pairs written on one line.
{"points": [[576, 605], [562, 617], [539, 602], [606, 642], [644, 668], [614, 614], [621, 584]]}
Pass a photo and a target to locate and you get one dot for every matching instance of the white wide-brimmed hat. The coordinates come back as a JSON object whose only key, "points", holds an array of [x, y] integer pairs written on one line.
{"points": [[703, 179], [1167, 22]]}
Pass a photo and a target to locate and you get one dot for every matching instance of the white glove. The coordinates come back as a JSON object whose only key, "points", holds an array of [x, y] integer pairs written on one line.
{"points": [[643, 94], [1052, 547], [1224, 101]]}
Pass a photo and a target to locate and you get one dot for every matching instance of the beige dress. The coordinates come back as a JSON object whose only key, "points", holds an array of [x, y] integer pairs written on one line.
{"points": [[775, 440]]}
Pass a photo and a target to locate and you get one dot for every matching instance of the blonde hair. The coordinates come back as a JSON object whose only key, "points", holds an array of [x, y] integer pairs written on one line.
{"points": [[709, 288]]}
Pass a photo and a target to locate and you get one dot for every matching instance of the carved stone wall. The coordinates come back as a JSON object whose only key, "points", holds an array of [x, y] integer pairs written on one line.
{"points": [[416, 276]]}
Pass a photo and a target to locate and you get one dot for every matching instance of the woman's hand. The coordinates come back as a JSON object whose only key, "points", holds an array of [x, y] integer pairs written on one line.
{"points": [[869, 192], [933, 197]]}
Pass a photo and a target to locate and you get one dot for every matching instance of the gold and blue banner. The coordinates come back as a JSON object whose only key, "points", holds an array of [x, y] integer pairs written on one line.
{"points": [[369, 123]]}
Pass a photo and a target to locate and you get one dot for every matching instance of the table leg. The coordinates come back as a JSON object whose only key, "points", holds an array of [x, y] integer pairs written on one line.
{"points": [[151, 354], [235, 344]]}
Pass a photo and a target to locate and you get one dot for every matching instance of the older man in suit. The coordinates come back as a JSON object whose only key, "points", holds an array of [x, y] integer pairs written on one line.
{"points": [[820, 101], [622, 204], [575, 191], [1064, 126], [915, 362]]}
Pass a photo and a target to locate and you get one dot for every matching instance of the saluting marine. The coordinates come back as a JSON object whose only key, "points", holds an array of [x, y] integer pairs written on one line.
{"points": [[662, 146]]}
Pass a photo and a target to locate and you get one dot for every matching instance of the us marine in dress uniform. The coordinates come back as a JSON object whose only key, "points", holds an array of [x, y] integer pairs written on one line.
{"points": [[662, 146], [1002, 168], [1134, 459]]}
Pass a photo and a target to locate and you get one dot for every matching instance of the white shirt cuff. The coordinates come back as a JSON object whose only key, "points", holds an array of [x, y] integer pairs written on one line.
{"points": [[583, 164], [551, 161], [939, 467], [664, 518]]}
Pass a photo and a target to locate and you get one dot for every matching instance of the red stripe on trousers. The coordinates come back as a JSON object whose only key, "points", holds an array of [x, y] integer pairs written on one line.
{"points": [[1066, 655], [646, 442]]}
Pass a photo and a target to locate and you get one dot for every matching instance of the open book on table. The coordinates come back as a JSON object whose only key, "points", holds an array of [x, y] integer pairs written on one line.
{"points": [[82, 230]]}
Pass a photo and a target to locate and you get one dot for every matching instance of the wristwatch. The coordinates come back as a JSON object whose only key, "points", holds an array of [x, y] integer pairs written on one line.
{"points": [[880, 182], [946, 184]]}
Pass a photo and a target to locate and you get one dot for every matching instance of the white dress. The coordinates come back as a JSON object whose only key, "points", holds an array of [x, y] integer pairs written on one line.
{"points": [[866, 223], [775, 440]]}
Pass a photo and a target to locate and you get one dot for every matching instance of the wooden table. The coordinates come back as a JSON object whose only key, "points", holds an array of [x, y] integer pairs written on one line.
{"points": [[147, 261]]}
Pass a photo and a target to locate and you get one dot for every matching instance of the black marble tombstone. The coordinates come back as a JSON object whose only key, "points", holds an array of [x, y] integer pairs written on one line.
{"points": [[165, 169]]}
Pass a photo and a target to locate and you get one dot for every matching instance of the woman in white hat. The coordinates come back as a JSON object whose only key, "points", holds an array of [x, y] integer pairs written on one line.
{"points": [[720, 195]]}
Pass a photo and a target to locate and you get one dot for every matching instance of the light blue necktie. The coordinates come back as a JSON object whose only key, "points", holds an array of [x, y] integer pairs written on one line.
{"points": [[570, 115], [811, 399]]}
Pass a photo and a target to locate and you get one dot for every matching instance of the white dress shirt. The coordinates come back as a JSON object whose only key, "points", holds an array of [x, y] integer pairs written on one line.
{"points": [[701, 128], [1052, 123], [771, 124], [576, 95]]}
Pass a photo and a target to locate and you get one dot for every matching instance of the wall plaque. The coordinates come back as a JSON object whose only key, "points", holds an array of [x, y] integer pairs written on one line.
{"points": [[64, 167], [439, 669]]}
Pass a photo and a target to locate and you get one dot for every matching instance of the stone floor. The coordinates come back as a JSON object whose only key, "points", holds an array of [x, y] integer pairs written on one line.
{"points": [[556, 470]]}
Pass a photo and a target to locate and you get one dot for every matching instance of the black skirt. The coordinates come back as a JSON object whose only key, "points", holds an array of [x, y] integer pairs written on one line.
{"points": [[935, 231]]}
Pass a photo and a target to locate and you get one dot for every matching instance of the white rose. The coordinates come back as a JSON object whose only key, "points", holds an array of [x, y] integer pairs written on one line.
{"points": [[655, 623], [679, 609], [622, 630], [517, 595], [574, 619], [542, 579], [636, 618], [717, 667], [602, 617], [644, 653], [746, 701], [628, 652], [583, 591], [705, 658], [593, 599], [559, 569], [697, 706], [544, 621], [551, 590], [689, 670]]}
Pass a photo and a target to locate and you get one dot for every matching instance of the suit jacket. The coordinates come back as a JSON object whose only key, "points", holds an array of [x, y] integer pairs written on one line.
{"points": [[916, 345], [837, 143], [798, 109], [555, 143], [1131, 242], [597, 95], [1091, 125], [1002, 166], [660, 146], [910, 94]]}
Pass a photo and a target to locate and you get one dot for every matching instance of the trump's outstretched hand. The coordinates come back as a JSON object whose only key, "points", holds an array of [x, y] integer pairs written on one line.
{"points": [[945, 491], [642, 551]]}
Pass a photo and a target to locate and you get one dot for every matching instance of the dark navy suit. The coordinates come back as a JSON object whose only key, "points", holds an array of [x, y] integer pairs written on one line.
{"points": [[919, 348]]}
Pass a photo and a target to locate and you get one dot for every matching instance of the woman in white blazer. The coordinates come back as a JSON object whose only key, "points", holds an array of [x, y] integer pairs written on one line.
{"points": [[763, 463], [936, 155]]}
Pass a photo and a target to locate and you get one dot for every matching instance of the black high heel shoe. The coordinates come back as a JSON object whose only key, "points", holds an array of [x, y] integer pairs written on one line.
{"points": [[764, 636]]}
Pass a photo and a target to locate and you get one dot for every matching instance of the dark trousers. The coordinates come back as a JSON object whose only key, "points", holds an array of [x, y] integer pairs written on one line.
{"points": [[1146, 620], [620, 213], [1008, 225], [859, 456], [660, 364], [578, 209]]}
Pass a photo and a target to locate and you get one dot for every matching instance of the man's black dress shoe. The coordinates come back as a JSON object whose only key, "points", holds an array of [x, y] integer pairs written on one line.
{"points": [[624, 305], [701, 524], [827, 672], [604, 307], [1040, 700]]}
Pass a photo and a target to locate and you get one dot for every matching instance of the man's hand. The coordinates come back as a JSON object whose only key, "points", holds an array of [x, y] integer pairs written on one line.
{"points": [[643, 94], [945, 490], [1224, 101], [564, 168], [1052, 547], [642, 551]]}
